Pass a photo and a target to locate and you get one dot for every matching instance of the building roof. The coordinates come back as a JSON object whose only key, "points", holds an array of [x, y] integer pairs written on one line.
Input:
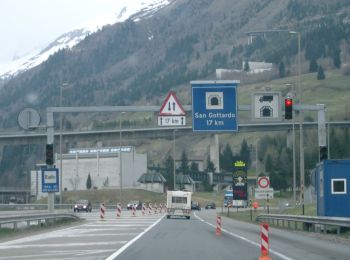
{"points": [[152, 177], [184, 179]]}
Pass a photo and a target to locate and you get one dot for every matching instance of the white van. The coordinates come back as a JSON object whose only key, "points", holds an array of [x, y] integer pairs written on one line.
{"points": [[179, 204]]}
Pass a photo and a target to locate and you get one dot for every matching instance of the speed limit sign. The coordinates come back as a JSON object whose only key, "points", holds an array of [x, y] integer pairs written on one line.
{"points": [[264, 182]]}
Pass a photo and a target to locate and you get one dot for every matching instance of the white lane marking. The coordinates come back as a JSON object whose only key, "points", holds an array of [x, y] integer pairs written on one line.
{"points": [[245, 239], [102, 235], [39, 236], [53, 254], [63, 244], [123, 248], [117, 225]]}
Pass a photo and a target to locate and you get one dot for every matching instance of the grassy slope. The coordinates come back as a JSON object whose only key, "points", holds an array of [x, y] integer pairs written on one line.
{"points": [[334, 91]]}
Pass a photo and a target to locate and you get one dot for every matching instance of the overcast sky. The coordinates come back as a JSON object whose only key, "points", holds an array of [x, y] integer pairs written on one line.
{"points": [[29, 24]]}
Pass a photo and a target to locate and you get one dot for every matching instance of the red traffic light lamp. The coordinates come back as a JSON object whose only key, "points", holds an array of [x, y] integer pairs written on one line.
{"points": [[288, 108]]}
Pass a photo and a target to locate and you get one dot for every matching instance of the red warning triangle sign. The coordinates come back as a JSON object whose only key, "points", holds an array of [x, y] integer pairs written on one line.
{"points": [[172, 106]]}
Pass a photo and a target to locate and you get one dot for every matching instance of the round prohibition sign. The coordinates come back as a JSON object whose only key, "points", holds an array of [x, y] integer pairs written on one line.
{"points": [[263, 182]]}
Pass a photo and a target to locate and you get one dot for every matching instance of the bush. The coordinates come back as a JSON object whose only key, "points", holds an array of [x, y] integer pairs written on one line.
{"points": [[320, 73]]}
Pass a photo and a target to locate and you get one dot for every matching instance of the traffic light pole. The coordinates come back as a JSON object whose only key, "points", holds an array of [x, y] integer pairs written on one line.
{"points": [[50, 137], [322, 140]]}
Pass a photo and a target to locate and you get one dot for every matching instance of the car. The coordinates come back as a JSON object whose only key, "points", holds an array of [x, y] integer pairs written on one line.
{"points": [[134, 203], [195, 205], [83, 205], [210, 205]]}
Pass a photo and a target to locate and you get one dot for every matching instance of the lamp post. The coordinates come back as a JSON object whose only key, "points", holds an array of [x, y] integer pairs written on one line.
{"points": [[120, 160], [301, 119], [174, 172], [61, 170]]}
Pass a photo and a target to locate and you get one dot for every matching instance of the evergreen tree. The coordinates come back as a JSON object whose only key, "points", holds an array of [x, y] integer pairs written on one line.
{"points": [[244, 152], [169, 171], [246, 66], [268, 163], [226, 158], [313, 65], [282, 70], [320, 73], [336, 59], [184, 168], [210, 165], [88, 182], [194, 167]]}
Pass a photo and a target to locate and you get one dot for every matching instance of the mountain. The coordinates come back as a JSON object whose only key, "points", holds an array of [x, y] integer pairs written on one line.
{"points": [[138, 9], [136, 62], [139, 60]]}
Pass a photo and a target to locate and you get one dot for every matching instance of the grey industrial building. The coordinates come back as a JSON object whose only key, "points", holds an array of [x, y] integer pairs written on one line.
{"points": [[103, 165]]}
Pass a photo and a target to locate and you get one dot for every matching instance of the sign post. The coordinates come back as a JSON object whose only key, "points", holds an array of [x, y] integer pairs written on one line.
{"points": [[214, 106], [172, 114]]}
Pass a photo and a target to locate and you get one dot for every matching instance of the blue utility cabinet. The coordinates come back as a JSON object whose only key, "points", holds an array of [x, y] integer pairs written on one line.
{"points": [[332, 182]]}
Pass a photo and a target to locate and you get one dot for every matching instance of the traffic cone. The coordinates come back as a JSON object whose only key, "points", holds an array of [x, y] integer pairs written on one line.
{"points": [[264, 248], [119, 210], [218, 226], [102, 211]]}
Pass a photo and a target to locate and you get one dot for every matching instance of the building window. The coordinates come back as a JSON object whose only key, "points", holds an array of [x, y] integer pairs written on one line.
{"points": [[338, 186]]}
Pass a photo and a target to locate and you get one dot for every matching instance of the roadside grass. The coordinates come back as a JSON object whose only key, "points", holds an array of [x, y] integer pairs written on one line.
{"points": [[332, 91]]}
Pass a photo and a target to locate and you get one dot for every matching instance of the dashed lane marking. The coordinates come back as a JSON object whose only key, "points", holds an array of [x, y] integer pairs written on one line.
{"points": [[244, 239]]}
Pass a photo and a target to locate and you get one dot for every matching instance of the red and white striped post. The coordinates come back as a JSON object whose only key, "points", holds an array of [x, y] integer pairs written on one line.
{"points": [[102, 211], [160, 207], [150, 208], [143, 209], [218, 226], [134, 211], [119, 210], [264, 248], [155, 208]]}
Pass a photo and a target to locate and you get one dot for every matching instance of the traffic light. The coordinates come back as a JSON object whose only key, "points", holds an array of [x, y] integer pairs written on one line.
{"points": [[49, 154], [323, 153], [288, 108]]}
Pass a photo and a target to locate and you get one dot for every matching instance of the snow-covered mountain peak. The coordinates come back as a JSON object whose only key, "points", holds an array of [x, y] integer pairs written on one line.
{"points": [[136, 10]]}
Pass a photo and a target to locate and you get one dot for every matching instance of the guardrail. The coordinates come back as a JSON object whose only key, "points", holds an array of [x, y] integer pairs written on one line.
{"points": [[44, 206], [27, 219], [309, 223], [33, 206]]}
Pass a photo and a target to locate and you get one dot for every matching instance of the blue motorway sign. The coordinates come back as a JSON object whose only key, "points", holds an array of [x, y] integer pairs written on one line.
{"points": [[50, 180], [214, 106]]}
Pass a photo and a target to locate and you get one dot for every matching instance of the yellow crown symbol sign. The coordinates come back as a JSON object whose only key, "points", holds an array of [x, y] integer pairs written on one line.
{"points": [[239, 164]]}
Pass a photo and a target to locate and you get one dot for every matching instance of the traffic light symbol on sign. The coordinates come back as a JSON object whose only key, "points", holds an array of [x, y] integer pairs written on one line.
{"points": [[288, 108], [49, 154]]}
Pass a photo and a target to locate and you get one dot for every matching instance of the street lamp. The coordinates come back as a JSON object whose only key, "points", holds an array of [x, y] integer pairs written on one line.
{"points": [[174, 172], [120, 159], [61, 87], [301, 119]]}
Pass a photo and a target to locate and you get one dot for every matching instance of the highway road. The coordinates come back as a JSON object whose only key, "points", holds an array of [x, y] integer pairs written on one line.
{"points": [[155, 237]]}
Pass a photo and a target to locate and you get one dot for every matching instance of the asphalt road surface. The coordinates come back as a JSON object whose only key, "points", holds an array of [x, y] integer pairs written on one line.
{"points": [[156, 237], [94, 239], [196, 239]]}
